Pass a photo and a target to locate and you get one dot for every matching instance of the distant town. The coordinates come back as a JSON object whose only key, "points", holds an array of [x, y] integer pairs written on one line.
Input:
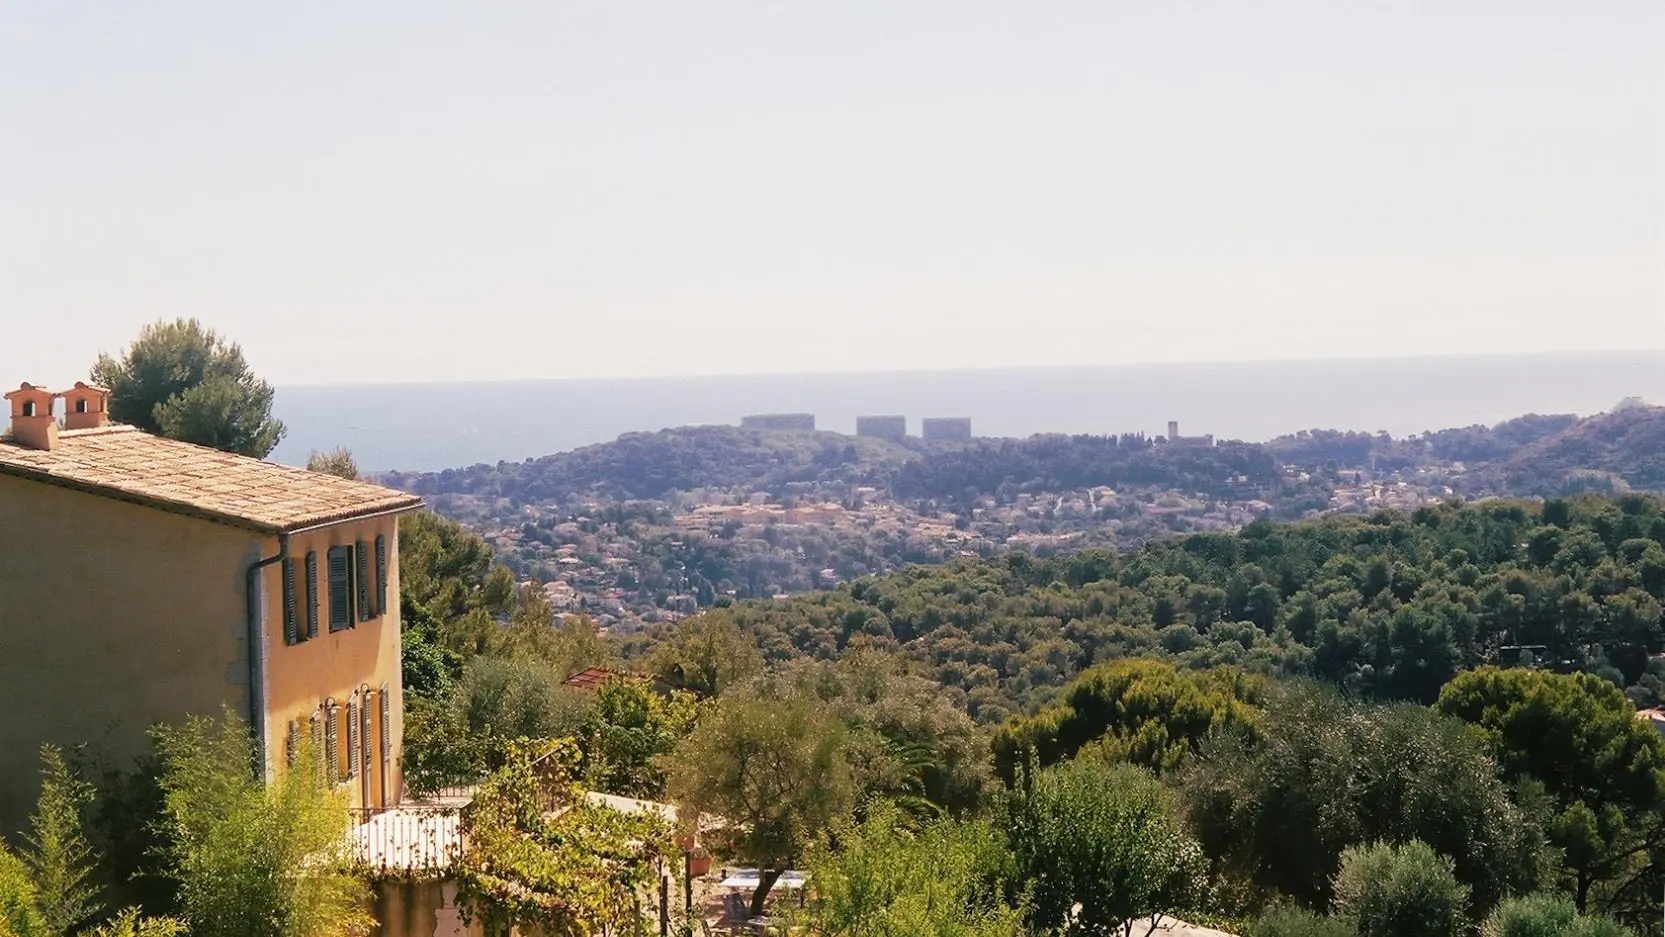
{"points": [[628, 561], [894, 427]]}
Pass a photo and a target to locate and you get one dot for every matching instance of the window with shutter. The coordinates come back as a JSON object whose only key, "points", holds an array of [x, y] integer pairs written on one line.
{"points": [[332, 742], [312, 593], [366, 730], [292, 745], [353, 754], [366, 610], [386, 702], [341, 588], [317, 725], [291, 624], [381, 575]]}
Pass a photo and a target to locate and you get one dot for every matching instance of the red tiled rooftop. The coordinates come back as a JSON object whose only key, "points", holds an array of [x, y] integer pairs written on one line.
{"points": [[595, 677]]}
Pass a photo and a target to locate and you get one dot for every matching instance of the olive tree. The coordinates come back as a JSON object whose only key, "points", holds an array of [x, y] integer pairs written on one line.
{"points": [[1102, 847]]}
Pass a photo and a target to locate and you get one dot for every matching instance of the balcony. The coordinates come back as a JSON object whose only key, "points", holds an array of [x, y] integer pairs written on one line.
{"points": [[424, 839], [421, 839]]}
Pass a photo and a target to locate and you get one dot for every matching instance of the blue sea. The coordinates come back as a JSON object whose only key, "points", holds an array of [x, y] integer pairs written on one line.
{"points": [[439, 425]]}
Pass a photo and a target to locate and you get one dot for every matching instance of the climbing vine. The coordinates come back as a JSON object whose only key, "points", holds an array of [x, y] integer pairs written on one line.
{"points": [[537, 855]]}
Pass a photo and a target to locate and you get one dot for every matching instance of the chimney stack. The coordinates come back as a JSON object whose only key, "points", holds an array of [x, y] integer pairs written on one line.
{"points": [[86, 406], [33, 424]]}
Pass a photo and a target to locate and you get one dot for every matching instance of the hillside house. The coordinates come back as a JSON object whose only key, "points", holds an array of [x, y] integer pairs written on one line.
{"points": [[144, 579]]}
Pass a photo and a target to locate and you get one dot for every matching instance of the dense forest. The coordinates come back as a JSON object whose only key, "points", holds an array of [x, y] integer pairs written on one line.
{"points": [[1394, 725], [1388, 606]]}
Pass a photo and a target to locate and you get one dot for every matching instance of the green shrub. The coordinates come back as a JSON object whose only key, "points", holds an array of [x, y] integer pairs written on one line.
{"points": [[19, 917], [1290, 921], [1400, 891], [1546, 916]]}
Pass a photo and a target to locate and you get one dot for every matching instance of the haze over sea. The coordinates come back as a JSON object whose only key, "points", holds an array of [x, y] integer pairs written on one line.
{"points": [[436, 426]]}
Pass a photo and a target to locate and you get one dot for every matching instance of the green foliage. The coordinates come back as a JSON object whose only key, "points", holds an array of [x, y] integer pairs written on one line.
{"points": [[443, 568], [635, 728], [129, 923], [909, 744], [185, 381], [1143, 711], [706, 655], [1292, 921], [1546, 916], [59, 859], [253, 859], [1326, 774], [573, 645], [1388, 606], [498, 701], [338, 462], [49, 891], [1104, 837], [775, 766], [20, 915], [883, 879], [541, 859], [1400, 891], [1578, 736]]}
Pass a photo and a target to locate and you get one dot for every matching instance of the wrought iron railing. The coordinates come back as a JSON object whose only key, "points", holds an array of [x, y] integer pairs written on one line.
{"points": [[411, 840]]}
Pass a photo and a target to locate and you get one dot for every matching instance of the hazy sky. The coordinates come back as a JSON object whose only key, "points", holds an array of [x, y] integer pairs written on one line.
{"points": [[419, 191]]}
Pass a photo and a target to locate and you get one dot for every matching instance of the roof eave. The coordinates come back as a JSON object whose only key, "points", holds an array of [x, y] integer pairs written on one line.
{"points": [[415, 504], [199, 513]]}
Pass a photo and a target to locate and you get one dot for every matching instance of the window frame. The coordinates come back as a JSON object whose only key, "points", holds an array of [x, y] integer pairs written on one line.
{"points": [[291, 621], [311, 595], [381, 574], [342, 615], [361, 577]]}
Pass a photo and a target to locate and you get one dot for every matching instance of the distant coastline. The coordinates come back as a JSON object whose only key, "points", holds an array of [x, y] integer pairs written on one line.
{"points": [[432, 426]]}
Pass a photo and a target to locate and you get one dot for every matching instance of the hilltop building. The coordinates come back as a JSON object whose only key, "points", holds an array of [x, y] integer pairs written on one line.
{"points": [[148, 579], [1175, 439], [894, 428], [804, 422], [946, 429]]}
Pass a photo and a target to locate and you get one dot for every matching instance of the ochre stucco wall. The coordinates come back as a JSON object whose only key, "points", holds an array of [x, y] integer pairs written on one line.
{"points": [[113, 617], [303, 676], [419, 909]]}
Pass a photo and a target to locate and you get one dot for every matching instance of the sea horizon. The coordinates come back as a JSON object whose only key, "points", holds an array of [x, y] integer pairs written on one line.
{"points": [[433, 425]]}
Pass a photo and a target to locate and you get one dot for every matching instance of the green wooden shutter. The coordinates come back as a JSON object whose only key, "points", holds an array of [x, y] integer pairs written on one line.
{"points": [[317, 726], [386, 702], [366, 610], [381, 574], [312, 593], [353, 742], [292, 744], [291, 622], [332, 742], [341, 587], [366, 730]]}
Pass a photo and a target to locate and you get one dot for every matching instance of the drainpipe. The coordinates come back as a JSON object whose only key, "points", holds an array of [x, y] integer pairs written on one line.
{"points": [[257, 653]]}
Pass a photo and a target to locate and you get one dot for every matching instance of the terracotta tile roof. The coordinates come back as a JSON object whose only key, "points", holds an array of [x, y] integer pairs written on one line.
{"points": [[123, 462], [595, 677]]}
